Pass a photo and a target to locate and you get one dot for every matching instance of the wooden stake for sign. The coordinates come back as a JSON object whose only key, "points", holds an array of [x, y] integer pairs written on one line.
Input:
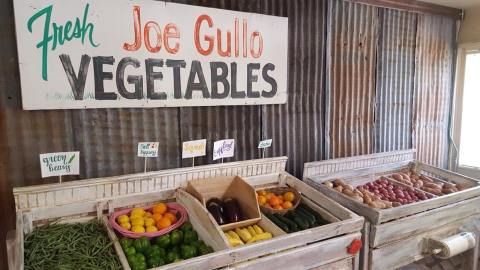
{"points": [[60, 179], [145, 166], [263, 152], [193, 162], [222, 159]]}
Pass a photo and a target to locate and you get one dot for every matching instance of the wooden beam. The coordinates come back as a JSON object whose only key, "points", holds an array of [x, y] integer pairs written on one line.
{"points": [[414, 6]]}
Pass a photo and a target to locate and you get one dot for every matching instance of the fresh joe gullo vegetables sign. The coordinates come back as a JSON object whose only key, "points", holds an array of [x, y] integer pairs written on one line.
{"points": [[121, 53]]}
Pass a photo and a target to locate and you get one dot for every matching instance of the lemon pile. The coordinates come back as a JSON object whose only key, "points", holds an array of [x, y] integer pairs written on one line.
{"points": [[140, 221]]}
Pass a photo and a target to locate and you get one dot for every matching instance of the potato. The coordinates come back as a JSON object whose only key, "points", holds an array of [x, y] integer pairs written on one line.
{"points": [[339, 182], [349, 187], [377, 204], [348, 192], [448, 190], [397, 177], [432, 185], [406, 177], [396, 204], [328, 184], [357, 192], [357, 198], [426, 179], [338, 188], [367, 200], [437, 192], [449, 185]]}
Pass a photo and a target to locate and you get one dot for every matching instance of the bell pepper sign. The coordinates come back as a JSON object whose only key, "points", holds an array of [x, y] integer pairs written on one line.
{"points": [[147, 54]]}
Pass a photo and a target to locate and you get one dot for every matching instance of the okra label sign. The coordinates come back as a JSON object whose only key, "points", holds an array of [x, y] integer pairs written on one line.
{"points": [[122, 53]]}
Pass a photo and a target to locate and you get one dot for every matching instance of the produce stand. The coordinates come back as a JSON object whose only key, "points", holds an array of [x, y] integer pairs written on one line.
{"points": [[325, 246], [398, 236]]}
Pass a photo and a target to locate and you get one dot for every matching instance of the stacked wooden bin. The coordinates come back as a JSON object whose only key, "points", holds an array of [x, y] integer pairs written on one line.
{"points": [[323, 247], [399, 234]]}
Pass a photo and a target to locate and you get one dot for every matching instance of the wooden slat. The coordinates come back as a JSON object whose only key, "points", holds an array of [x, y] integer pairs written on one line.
{"points": [[311, 256], [414, 6], [350, 163], [319, 198], [86, 190], [408, 250], [423, 222]]}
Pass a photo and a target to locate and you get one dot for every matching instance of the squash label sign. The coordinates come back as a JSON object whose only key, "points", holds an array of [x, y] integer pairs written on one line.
{"points": [[112, 54]]}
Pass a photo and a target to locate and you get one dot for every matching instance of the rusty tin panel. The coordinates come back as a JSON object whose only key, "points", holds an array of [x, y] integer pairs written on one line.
{"points": [[350, 92], [433, 88], [395, 77], [297, 127], [242, 123]]}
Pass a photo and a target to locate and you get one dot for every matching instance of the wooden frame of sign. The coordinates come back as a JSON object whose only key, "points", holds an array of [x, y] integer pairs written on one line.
{"points": [[397, 235], [77, 201]]}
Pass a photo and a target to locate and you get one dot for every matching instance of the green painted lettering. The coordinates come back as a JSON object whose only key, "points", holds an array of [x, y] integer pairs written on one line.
{"points": [[60, 33]]}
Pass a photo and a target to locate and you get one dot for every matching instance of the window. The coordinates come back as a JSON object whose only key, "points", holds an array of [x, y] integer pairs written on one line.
{"points": [[470, 128], [467, 111]]}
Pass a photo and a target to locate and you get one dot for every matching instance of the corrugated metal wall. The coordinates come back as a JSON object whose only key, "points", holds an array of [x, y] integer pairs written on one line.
{"points": [[297, 127], [395, 76], [433, 88], [354, 88], [351, 54], [242, 123]]}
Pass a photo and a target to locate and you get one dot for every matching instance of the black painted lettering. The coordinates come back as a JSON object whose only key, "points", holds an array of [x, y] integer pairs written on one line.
{"points": [[150, 63], [201, 85], [177, 83], [136, 80], [219, 78], [233, 79], [251, 79], [77, 83], [267, 78], [100, 76]]}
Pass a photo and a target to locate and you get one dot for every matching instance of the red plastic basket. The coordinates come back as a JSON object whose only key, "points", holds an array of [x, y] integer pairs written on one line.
{"points": [[175, 208]]}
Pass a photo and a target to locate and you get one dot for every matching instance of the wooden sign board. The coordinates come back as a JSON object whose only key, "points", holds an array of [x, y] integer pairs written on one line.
{"points": [[121, 53]]}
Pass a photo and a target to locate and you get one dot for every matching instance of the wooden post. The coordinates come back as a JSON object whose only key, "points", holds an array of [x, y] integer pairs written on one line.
{"points": [[145, 166], [60, 179]]}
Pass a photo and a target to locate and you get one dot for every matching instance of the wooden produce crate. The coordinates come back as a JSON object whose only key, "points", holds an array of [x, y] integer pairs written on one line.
{"points": [[228, 186], [397, 236], [76, 201]]}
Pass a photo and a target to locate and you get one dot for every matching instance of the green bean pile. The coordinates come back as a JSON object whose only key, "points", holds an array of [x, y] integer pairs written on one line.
{"points": [[70, 246]]}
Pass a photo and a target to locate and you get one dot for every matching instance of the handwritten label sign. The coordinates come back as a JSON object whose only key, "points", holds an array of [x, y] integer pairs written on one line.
{"points": [[265, 143], [123, 53], [193, 149], [148, 149], [223, 148], [58, 164]]}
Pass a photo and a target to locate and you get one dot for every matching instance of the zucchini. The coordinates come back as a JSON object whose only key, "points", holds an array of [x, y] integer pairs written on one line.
{"points": [[291, 225], [303, 224], [318, 217], [278, 222], [306, 215]]}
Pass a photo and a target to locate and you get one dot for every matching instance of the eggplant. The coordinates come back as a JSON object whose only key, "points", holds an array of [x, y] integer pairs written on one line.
{"points": [[217, 201], [232, 210], [216, 210]]}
